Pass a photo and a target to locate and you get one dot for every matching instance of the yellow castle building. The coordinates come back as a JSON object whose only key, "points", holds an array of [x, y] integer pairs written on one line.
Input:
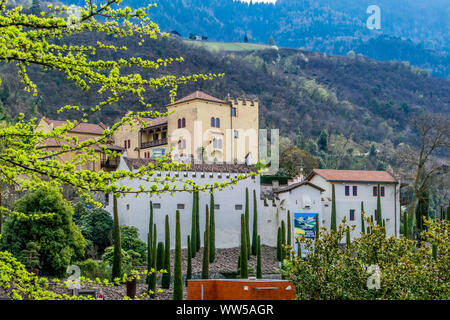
{"points": [[198, 127], [83, 131]]}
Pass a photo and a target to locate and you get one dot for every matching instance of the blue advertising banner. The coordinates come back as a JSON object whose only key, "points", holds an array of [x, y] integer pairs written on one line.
{"points": [[304, 224]]}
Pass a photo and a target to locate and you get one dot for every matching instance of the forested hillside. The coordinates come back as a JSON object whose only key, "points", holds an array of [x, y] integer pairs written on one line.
{"points": [[411, 30], [297, 89]]}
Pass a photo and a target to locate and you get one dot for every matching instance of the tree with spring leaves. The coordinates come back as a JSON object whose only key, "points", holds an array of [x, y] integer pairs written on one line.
{"points": [[44, 40], [37, 39]]}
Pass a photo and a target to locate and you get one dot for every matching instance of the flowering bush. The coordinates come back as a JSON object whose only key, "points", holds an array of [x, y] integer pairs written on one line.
{"points": [[372, 266]]}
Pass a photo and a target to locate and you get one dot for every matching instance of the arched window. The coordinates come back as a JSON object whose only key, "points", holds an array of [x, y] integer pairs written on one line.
{"points": [[213, 122], [215, 143], [183, 123], [219, 144], [217, 123], [179, 123]]}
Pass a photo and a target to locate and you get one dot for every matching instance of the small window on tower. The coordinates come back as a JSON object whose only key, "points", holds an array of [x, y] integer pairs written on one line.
{"points": [[233, 112], [217, 123], [213, 122], [183, 123]]}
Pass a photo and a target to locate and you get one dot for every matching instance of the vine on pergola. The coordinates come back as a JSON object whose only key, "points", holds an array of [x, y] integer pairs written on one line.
{"points": [[29, 39]]}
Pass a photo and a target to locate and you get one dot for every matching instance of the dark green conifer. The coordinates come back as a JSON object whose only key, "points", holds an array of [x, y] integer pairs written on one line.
{"points": [[166, 277], [212, 231], [244, 254], [205, 265], [117, 258], [255, 225], [178, 272], [333, 225]]}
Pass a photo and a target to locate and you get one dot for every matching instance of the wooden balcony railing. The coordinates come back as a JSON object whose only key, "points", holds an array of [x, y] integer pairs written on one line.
{"points": [[111, 163], [154, 143]]}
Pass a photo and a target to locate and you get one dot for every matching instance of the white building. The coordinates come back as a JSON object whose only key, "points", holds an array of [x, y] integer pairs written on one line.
{"points": [[353, 187], [310, 196], [229, 203]]}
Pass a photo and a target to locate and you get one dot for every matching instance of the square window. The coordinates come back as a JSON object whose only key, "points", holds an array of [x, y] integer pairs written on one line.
{"points": [[156, 205], [216, 206], [238, 207], [180, 206]]}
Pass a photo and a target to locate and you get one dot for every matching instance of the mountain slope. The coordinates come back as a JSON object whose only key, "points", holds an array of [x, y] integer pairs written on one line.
{"points": [[298, 90]]}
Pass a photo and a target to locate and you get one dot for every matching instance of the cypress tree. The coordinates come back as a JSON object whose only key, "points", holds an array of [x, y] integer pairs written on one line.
{"points": [[434, 251], [258, 260], [289, 235], [205, 265], [189, 261], [379, 218], [117, 258], [283, 240], [384, 226], [244, 253], [279, 244], [212, 232], [247, 222], [149, 241], [448, 213], [406, 225], [299, 249], [363, 228], [239, 264], [166, 276], [160, 256], [178, 272], [333, 209], [194, 225], [154, 275], [347, 237], [255, 226], [197, 227], [317, 227]]}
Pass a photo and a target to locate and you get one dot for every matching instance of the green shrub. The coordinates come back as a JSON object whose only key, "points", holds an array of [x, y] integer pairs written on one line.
{"points": [[94, 269], [406, 270], [61, 242]]}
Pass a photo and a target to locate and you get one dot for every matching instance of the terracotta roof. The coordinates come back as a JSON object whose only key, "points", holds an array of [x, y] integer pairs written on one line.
{"points": [[55, 144], [135, 163], [298, 184], [155, 121], [81, 128], [198, 95], [353, 175]]}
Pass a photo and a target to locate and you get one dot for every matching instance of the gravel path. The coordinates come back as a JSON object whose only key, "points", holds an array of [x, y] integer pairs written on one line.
{"points": [[224, 264]]}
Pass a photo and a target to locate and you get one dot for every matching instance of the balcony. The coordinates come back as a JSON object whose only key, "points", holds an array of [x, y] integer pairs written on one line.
{"points": [[154, 143], [110, 163]]}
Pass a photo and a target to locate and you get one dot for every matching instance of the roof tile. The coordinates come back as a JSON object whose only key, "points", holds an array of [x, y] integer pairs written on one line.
{"points": [[354, 175]]}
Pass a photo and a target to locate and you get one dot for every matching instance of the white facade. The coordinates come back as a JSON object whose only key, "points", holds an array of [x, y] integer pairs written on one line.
{"points": [[230, 204], [390, 203], [304, 198], [299, 196]]}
